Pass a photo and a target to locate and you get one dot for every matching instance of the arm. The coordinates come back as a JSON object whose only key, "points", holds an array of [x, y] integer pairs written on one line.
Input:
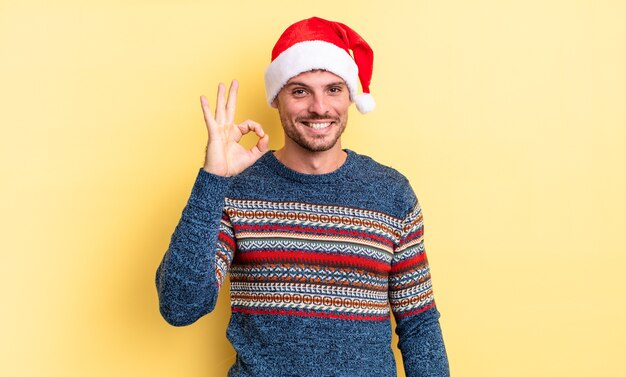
{"points": [[202, 246], [413, 304], [201, 249]]}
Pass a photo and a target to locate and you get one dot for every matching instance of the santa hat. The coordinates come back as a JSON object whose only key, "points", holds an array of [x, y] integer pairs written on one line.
{"points": [[316, 43]]}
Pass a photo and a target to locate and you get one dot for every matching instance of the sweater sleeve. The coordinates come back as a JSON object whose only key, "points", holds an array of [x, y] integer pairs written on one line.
{"points": [[413, 304], [199, 255]]}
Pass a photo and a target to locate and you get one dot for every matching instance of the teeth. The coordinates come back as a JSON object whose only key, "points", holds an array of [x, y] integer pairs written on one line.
{"points": [[318, 126]]}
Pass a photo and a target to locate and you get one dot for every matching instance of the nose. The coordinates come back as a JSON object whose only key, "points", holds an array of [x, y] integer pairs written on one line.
{"points": [[319, 105]]}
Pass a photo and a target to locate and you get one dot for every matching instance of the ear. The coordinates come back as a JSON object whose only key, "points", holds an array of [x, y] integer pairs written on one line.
{"points": [[275, 103]]}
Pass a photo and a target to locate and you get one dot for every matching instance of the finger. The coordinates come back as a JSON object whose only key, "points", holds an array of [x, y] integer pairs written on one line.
{"points": [[206, 111], [232, 102], [220, 111], [250, 125], [261, 147]]}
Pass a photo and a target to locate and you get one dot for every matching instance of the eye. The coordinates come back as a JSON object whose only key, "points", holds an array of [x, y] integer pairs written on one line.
{"points": [[298, 92], [335, 89]]}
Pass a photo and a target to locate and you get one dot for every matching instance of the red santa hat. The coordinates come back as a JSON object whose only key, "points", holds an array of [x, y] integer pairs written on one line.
{"points": [[316, 43]]}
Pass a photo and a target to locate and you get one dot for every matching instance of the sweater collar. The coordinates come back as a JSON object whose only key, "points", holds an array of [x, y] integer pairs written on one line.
{"points": [[340, 173]]}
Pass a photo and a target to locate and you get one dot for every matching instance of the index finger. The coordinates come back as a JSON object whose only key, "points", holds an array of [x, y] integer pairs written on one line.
{"points": [[250, 125]]}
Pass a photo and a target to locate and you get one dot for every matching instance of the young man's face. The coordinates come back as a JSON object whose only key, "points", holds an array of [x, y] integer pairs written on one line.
{"points": [[313, 108]]}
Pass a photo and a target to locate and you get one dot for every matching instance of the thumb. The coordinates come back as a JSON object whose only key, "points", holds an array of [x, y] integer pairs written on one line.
{"points": [[261, 146]]}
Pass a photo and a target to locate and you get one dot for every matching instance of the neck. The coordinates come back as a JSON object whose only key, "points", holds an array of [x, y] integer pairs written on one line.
{"points": [[307, 162]]}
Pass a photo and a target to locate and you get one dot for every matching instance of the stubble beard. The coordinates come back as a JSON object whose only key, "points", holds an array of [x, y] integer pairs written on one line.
{"points": [[310, 144]]}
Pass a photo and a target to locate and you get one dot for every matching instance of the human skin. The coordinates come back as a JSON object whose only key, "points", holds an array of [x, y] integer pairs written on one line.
{"points": [[313, 108], [224, 155]]}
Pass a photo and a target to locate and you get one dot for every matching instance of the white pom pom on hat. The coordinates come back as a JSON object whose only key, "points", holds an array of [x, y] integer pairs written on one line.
{"points": [[365, 103], [316, 43]]}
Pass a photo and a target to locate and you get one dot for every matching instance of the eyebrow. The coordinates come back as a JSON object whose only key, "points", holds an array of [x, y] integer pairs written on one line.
{"points": [[298, 83]]}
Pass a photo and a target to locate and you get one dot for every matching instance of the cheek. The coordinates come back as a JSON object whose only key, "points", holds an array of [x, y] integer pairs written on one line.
{"points": [[342, 102], [341, 107], [295, 109]]}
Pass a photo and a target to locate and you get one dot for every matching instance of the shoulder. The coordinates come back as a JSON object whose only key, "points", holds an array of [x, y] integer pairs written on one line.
{"points": [[386, 182], [377, 170]]}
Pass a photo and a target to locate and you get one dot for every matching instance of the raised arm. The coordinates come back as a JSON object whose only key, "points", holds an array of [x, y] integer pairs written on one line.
{"points": [[202, 246]]}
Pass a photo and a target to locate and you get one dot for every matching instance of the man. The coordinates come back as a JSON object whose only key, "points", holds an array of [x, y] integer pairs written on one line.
{"points": [[321, 243]]}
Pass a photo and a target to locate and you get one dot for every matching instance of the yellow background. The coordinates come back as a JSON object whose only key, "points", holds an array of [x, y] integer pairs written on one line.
{"points": [[508, 117]]}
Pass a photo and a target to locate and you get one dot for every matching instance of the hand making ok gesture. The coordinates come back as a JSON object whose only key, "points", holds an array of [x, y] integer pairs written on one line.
{"points": [[224, 155]]}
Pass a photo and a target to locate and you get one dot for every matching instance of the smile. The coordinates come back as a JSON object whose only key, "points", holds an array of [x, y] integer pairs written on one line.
{"points": [[317, 125]]}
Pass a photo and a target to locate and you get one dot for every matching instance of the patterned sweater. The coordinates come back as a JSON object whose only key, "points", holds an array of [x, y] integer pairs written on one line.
{"points": [[317, 264]]}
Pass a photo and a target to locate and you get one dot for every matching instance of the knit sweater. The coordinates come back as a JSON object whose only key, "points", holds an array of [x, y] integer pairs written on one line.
{"points": [[317, 264]]}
